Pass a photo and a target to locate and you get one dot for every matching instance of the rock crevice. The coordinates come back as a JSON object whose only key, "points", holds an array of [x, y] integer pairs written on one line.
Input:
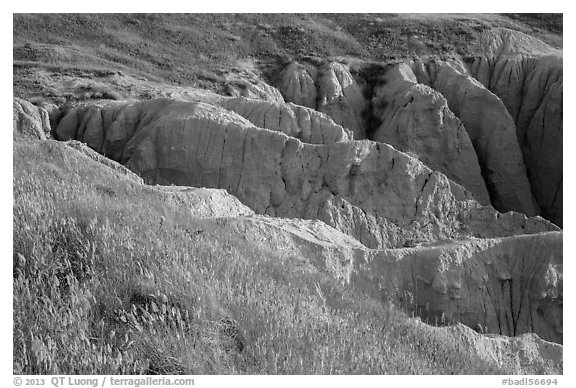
{"points": [[527, 75]]}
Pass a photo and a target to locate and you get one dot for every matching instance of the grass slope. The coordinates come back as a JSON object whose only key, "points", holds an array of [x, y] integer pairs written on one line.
{"points": [[198, 49], [110, 277]]}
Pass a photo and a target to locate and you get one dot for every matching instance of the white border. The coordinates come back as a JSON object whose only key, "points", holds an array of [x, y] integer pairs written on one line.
{"points": [[290, 6]]}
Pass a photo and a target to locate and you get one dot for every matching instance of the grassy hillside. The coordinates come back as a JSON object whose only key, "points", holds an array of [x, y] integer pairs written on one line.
{"points": [[111, 276], [199, 49]]}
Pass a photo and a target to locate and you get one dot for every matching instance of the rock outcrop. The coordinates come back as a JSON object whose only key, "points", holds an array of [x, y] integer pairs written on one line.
{"points": [[204, 203], [416, 119], [305, 124], [328, 88], [527, 75], [366, 189], [256, 89], [492, 132], [340, 97], [524, 354], [297, 85], [509, 286], [30, 121]]}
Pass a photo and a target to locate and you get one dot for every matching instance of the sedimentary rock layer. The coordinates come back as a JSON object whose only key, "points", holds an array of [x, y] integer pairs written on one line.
{"points": [[297, 85], [527, 75], [491, 130], [328, 88], [366, 189], [510, 285], [525, 354], [415, 118], [305, 124], [513, 116], [255, 89], [29, 120]]}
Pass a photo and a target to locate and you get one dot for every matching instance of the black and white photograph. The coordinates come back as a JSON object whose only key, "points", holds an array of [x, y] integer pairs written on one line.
{"points": [[286, 194]]}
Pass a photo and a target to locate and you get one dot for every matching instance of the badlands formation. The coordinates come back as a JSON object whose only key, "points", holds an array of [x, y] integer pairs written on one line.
{"points": [[434, 183]]}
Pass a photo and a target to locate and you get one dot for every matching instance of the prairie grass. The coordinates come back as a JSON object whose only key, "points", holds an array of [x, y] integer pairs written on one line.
{"points": [[108, 279], [182, 48]]}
